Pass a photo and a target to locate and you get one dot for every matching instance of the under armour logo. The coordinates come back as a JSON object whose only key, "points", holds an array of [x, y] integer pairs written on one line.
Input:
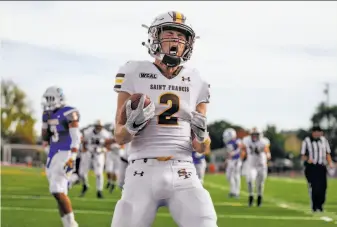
{"points": [[186, 78], [184, 173], [140, 173]]}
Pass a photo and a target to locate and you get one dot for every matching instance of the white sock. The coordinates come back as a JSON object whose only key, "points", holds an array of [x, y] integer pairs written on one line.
{"points": [[64, 221], [70, 218], [99, 182]]}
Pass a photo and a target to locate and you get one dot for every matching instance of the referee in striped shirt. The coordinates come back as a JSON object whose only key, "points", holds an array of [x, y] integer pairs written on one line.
{"points": [[316, 155]]}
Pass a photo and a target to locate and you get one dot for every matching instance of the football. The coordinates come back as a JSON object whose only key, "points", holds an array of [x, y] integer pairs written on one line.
{"points": [[135, 98]]}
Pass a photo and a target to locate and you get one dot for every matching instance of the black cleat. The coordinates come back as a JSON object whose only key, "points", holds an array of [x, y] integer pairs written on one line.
{"points": [[108, 185], [112, 187], [99, 195], [259, 200], [84, 190], [250, 201]]}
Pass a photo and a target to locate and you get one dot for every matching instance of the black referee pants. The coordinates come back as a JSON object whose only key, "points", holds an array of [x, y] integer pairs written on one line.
{"points": [[317, 182]]}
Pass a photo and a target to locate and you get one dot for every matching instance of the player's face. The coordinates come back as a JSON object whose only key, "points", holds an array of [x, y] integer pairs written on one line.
{"points": [[98, 128], [173, 42], [255, 136], [316, 134]]}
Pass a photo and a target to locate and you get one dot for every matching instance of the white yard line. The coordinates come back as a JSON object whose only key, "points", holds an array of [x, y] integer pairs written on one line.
{"points": [[231, 204], [166, 214], [288, 180], [31, 197], [327, 216]]}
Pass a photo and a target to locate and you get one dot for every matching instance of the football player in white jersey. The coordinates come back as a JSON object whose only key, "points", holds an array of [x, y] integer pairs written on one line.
{"points": [[96, 141], [160, 170], [75, 176], [256, 150], [234, 163], [112, 161]]}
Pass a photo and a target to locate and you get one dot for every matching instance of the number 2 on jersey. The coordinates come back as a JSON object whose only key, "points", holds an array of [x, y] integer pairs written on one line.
{"points": [[166, 117], [55, 136]]}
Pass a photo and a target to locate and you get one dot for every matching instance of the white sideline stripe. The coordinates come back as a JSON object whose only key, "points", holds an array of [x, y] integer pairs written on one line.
{"points": [[278, 203], [165, 214]]}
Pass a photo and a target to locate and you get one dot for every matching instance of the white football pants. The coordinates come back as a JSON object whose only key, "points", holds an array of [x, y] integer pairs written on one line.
{"points": [[151, 184], [96, 160], [256, 176], [233, 174]]}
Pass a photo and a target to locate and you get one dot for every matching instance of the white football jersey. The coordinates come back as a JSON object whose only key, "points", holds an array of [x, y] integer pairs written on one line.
{"points": [[169, 132], [255, 151], [96, 141]]}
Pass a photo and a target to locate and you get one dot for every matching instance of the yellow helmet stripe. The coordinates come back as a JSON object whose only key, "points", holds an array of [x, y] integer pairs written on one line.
{"points": [[119, 80], [178, 17]]}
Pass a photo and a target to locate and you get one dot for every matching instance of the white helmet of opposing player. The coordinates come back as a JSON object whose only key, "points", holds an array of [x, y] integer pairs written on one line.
{"points": [[228, 135], [170, 21], [53, 98], [98, 126]]}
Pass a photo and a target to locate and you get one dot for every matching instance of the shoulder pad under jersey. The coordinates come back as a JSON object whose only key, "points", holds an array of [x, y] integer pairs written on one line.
{"points": [[71, 114]]}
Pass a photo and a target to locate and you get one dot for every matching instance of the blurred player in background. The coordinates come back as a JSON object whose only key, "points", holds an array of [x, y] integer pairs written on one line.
{"points": [[96, 143], [123, 164], [160, 170], [199, 159], [234, 163], [60, 129], [112, 161], [256, 150], [200, 164]]}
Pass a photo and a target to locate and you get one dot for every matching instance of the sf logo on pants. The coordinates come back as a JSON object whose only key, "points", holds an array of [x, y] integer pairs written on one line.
{"points": [[138, 173], [184, 173]]}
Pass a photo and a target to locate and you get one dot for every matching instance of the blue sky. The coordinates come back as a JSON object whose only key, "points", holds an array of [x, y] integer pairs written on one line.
{"points": [[263, 59]]}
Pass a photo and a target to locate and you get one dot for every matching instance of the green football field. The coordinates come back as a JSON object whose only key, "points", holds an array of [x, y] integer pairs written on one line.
{"points": [[25, 202]]}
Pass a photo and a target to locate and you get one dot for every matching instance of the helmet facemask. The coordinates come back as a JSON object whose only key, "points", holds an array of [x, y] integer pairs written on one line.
{"points": [[170, 58], [98, 128], [255, 136], [52, 101]]}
